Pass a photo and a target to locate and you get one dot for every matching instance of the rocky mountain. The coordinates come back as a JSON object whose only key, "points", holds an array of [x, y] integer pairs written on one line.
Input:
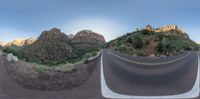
{"points": [[169, 30], [166, 40], [21, 42], [70, 36], [50, 48], [54, 47], [87, 40], [89, 36]]}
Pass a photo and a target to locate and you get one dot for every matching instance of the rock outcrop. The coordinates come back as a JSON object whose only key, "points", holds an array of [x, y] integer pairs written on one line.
{"points": [[54, 47], [50, 48], [89, 36], [29, 41], [70, 36], [169, 30], [21, 42]]}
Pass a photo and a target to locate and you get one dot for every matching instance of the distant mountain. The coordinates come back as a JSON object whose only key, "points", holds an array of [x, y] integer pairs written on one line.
{"points": [[70, 36], [21, 42], [166, 40], [54, 47], [51, 47], [87, 39], [89, 36]]}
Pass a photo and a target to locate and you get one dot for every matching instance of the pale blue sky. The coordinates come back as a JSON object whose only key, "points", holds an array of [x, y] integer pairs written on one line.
{"points": [[111, 18]]}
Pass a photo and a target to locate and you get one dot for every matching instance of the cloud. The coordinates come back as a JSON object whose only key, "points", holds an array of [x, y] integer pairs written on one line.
{"points": [[109, 28]]}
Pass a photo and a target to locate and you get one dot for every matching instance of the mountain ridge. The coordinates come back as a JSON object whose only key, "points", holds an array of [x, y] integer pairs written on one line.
{"points": [[166, 40], [168, 28], [54, 47], [21, 42]]}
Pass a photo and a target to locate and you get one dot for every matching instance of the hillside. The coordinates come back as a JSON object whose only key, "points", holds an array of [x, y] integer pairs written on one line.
{"points": [[54, 47], [51, 47], [166, 40], [87, 39]]}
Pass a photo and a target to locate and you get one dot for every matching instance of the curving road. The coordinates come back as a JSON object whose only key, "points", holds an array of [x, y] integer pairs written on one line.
{"points": [[123, 74], [129, 75]]}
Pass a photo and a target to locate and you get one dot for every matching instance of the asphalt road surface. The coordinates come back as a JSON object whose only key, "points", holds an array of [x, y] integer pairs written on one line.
{"points": [[170, 76]]}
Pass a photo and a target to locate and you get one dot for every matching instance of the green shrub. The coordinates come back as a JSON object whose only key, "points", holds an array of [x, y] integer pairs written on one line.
{"points": [[140, 53], [86, 61], [145, 32], [160, 47], [1, 47], [129, 40], [94, 54], [137, 41]]}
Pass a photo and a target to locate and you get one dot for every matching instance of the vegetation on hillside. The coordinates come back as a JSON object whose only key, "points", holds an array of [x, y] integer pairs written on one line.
{"points": [[1, 47], [62, 66], [146, 42]]}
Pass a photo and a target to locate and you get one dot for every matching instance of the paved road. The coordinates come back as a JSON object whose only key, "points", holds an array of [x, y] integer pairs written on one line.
{"points": [[121, 76], [129, 78]]}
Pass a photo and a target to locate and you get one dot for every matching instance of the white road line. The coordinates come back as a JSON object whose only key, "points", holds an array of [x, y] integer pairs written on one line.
{"points": [[142, 63], [107, 93]]}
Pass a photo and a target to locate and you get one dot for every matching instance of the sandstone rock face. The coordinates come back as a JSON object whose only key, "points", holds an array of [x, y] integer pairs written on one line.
{"points": [[167, 28], [170, 30], [21, 42], [29, 41], [89, 36], [148, 27], [49, 48], [53, 34]]}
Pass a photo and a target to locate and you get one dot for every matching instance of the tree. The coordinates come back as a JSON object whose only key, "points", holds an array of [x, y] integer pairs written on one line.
{"points": [[129, 40], [137, 41], [145, 32]]}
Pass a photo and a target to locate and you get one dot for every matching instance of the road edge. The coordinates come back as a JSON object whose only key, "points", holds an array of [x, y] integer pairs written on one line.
{"points": [[107, 93]]}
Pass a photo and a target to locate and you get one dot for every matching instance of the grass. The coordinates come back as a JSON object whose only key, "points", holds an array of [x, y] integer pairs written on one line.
{"points": [[68, 66], [59, 68], [64, 66]]}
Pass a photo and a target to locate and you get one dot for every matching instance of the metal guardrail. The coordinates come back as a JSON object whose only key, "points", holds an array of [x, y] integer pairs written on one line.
{"points": [[92, 58]]}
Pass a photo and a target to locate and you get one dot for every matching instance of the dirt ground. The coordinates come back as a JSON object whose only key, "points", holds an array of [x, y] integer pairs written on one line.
{"points": [[25, 75]]}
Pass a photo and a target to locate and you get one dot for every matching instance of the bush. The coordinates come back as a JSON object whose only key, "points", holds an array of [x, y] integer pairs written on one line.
{"points": [[94, 54], [86, 61], [160, 36], [145, 32], [160, 47], [140, 53], [137, 41], [129, 40], [1, 47]]}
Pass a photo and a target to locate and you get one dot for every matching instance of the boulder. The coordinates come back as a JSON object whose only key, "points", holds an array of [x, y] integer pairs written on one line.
{"points": [[11, 57]]}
